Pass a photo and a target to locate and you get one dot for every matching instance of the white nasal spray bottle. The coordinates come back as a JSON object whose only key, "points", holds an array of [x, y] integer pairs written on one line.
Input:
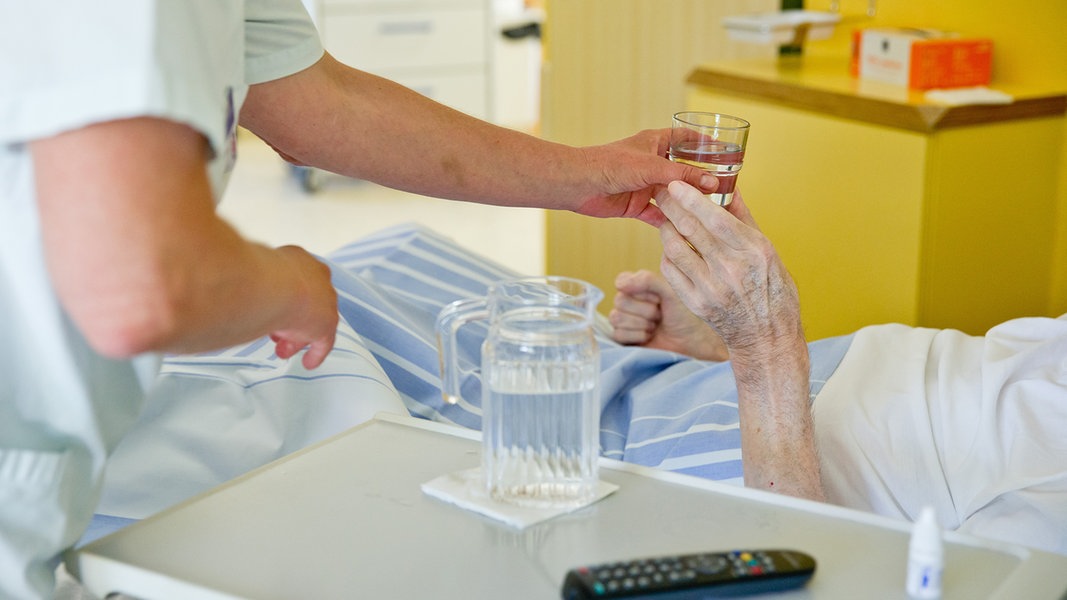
{"points": [[925, 557]]}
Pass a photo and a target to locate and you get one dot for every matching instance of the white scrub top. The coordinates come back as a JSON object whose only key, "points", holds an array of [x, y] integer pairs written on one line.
{"points": [[68, 64]]}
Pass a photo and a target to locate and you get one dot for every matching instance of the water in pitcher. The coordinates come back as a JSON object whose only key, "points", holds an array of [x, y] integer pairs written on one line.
{"points": [[541, 414]]}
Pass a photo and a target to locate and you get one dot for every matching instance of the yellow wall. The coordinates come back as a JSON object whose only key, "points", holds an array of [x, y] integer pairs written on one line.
{"points": [[613, 67], [1058, 300]]}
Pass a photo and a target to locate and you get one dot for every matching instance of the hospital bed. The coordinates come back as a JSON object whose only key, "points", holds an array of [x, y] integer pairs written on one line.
{"points": [[216, 416]]}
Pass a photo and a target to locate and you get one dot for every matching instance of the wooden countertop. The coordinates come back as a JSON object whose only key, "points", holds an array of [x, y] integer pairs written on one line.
{"points": [[823, 84]]}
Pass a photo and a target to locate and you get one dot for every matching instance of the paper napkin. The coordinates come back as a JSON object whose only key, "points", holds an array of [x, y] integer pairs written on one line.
{"points": [[465, 490]]}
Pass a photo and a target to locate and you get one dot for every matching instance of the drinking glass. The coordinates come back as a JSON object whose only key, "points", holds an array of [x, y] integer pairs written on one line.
{"points": [[713, 142]]}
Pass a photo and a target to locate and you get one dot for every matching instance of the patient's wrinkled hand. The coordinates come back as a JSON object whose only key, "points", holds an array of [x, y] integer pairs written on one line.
{"points": [[647, 312], [728, 273]]}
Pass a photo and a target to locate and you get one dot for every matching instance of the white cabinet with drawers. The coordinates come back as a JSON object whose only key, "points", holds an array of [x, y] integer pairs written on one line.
{"points": [[440, 48]]}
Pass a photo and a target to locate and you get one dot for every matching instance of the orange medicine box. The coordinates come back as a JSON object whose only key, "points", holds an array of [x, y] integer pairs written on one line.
{"points": [[921, 58]]}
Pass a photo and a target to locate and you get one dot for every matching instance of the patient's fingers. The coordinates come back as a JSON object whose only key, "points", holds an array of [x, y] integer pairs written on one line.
{"points": [[636, 311], [636, 283], [646, 285], [739, 210], [631, 337], [631, 313], [680, 259], [638, 294], [704, 224], [630, 332]]}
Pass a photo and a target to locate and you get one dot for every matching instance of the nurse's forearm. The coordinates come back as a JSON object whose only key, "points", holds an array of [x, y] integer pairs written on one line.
{"points": [[356, 124]]}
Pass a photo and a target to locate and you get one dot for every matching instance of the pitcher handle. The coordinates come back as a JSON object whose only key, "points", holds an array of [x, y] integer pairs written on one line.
{"points": [[450, 319]]}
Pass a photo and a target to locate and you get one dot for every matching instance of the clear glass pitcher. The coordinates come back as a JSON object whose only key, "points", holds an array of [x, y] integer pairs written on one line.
{"points": [[540, 372]]}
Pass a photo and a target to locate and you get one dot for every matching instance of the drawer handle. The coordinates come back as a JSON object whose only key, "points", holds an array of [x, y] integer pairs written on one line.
{"points": [[406, 27]]}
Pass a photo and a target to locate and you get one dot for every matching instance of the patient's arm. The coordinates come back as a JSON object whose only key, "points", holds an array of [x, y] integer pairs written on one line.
{"points": [[730, 275], [648, 313]]}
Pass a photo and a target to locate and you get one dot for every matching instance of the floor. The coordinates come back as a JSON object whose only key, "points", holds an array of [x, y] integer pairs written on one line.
{"points": [[266, 202]]}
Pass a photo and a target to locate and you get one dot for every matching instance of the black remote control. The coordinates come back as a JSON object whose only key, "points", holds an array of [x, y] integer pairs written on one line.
{"points": [[692, 576]]}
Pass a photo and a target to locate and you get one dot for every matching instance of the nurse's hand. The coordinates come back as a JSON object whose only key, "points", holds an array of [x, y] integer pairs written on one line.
{"points": [[627, 174], [312, 324]]}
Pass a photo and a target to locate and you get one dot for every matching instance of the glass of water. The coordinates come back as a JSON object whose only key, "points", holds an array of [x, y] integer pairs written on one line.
{"points": [[714, 142]]}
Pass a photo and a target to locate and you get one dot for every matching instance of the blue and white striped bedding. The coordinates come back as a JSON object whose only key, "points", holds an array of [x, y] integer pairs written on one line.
{"points": [[658, 408], [216, 415]]}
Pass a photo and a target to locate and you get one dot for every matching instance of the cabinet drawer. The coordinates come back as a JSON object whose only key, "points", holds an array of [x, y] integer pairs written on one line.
{"points": [[376, 41], [465, 91]]}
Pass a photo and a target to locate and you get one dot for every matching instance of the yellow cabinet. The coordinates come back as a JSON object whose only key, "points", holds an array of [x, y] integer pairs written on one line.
{"points": [[886, 208]]}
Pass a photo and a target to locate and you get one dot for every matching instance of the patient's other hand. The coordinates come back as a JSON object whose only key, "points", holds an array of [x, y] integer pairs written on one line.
{"points": [[647, 312]]}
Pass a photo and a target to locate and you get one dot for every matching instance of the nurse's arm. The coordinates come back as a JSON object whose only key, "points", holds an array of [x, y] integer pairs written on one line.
{"points": [[350, 122]]}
